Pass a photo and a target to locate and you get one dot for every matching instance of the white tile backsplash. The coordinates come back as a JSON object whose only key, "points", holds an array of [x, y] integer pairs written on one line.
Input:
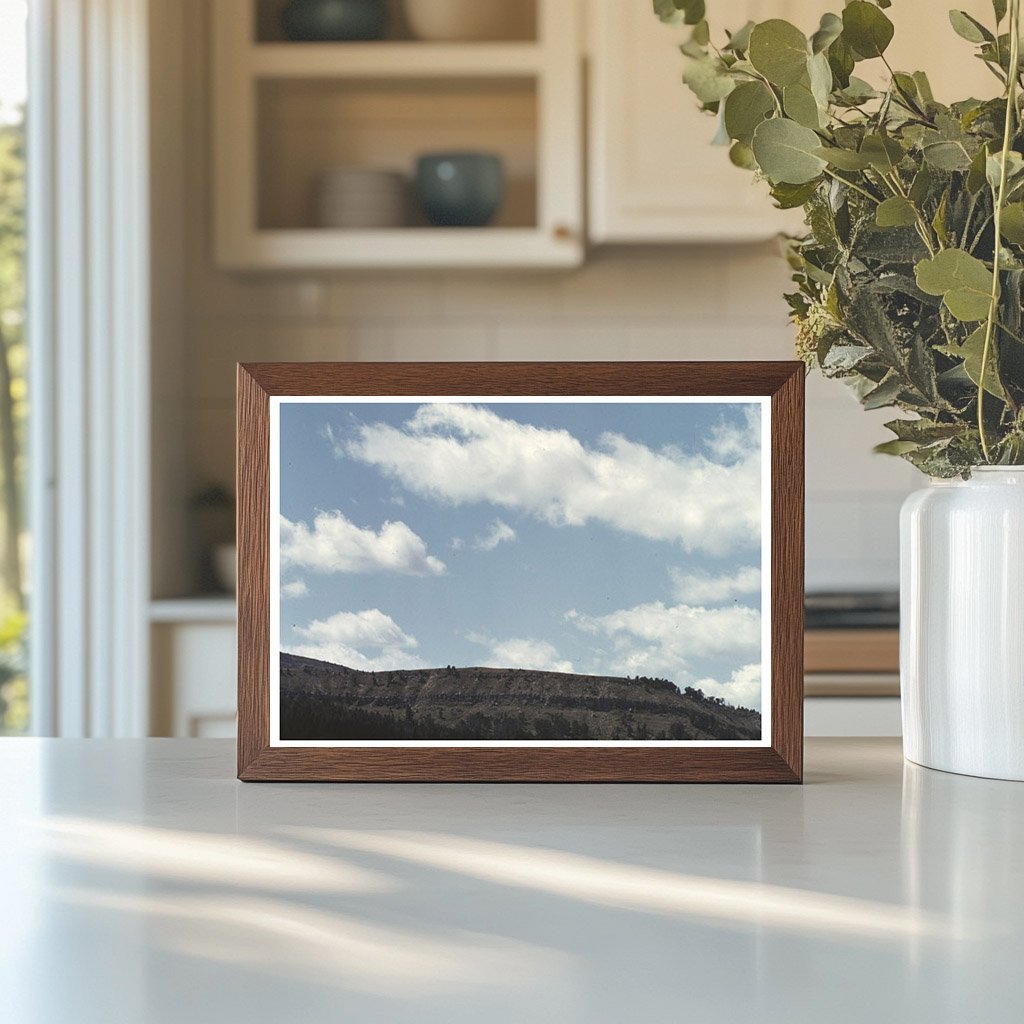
{"points": [[715, 303]]}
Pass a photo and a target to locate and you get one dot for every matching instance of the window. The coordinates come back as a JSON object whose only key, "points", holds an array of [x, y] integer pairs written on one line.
{"points": [[14, 547]]}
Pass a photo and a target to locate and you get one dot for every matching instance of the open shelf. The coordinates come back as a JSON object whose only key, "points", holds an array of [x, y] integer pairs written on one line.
{"points": [[308, 127], [287, 113]]}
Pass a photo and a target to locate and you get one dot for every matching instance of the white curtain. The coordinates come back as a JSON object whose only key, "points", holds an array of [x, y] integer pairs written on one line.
{"points": [[88, 317]]}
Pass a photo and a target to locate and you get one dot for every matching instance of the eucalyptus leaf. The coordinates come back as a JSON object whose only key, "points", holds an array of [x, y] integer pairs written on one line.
{"points": [[969, 28], [906, 87], [739, 41], [883, 153], [844, 159], [895, 212], [884, 395], [858, 91], [1012, 225], [841, 60], [947, 156], [994, 168], [895, 447], [675, 12], [866, 30], [786, 152], [779, 51], [921, 185], [789, 197], [963, 281], [924, 87], [800, 105], [972, 353], [923, 431], [745, 108], [819, 74], [976, 178], [829, 30], [708, 80], [741, 155]]}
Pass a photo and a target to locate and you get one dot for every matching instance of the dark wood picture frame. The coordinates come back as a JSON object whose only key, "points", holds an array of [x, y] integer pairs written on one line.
{"points": [[780, 761]]}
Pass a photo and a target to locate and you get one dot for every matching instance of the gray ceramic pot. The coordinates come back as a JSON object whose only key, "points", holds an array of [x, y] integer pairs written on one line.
{"points": [[460, 189], [334, 20]]}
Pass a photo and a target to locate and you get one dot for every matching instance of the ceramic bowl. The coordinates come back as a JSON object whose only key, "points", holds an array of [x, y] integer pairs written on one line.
{"points": [[469, 20], [460, 189], [334, 20], [359, 197]]}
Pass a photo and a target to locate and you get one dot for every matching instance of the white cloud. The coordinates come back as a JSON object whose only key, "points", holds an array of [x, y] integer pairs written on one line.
{"points": [[457, 544], [498, 533], [297, 588], [662, 641], [367, 640], [335, 544], [703, 588], [743, 688], [461, 454], [521, 652]]}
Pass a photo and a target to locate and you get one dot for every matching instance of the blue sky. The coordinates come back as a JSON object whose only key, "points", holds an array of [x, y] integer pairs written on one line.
{"points": [[609, 538]]}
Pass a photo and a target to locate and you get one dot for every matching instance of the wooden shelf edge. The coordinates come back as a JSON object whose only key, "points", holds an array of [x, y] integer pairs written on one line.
{"points": [[392, 60], [213, 608], [852, 650], [404, 248], [851, 684]]}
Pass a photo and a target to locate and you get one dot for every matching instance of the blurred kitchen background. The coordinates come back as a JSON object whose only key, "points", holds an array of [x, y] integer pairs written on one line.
{"points": [[290, 220]]}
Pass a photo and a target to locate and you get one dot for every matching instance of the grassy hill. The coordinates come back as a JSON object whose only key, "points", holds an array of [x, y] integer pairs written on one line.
{"points": [[320, 701]]}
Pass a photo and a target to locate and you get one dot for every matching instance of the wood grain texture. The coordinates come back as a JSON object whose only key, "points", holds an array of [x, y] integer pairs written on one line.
{"points": [[781, 762], [252, 487]]}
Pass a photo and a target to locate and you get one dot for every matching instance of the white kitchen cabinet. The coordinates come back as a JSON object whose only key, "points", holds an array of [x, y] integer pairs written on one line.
{"points": [[285, 113], [192, 651], [653, 175]]}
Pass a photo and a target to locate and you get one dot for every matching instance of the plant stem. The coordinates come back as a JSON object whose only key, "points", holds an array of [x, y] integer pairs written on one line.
{"points": [[923, 228], [993, 309], [856, 188], [1012, 334]]}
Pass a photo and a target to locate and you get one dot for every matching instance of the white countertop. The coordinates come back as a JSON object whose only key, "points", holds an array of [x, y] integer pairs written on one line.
{"points": [[143, 885]]}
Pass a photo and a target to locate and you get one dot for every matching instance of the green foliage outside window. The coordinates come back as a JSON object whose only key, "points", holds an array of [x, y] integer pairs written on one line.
{"points": [[13, 412]]}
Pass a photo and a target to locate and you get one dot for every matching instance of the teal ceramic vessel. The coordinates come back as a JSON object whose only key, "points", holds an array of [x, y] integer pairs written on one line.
{"points": [[334, 21], [461, 190]]}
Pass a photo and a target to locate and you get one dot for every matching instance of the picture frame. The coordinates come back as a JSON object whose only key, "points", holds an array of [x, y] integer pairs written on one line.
{"points": [[524, 400]]}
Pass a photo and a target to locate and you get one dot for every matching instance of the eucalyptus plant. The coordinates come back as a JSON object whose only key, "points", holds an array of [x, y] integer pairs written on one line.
{"points": [[910, 278]]}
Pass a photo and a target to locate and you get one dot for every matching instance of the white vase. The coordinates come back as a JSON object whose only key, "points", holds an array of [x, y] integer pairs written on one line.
{"points": [[962, 624]]}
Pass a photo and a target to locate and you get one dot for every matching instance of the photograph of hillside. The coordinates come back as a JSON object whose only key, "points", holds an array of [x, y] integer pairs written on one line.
{"points": [[519, 570], [331, 702]]}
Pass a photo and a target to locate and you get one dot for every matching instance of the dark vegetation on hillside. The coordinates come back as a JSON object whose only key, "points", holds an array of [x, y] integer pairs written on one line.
{"points": [[320, 701]]}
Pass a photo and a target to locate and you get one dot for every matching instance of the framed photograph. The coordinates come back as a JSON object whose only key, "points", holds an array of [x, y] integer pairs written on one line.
{"points": [[518, 572]]}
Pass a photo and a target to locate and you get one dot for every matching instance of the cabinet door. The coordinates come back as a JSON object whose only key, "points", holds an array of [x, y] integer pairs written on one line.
{"points": [[654, 177]]}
